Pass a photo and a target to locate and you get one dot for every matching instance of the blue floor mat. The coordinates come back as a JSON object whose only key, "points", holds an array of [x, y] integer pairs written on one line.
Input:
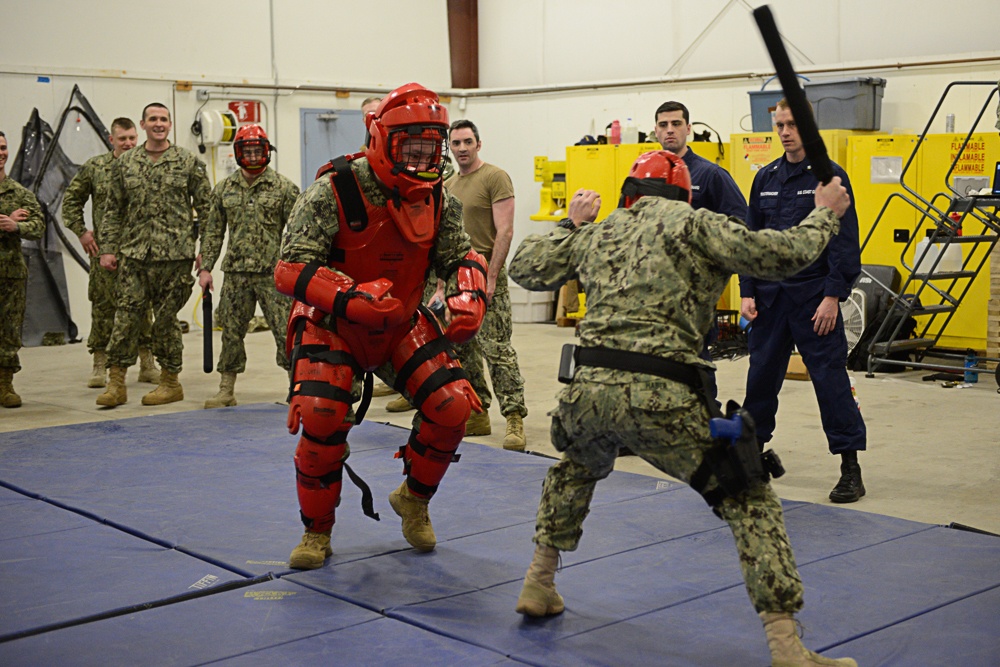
{"points": [[163, 540]]}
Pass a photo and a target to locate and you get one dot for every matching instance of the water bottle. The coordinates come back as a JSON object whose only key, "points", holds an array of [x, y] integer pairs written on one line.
{"points": [[970, 362], [630, 133], [616, 133]]}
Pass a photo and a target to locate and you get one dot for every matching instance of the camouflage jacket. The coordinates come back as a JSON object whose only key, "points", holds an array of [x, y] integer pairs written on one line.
{"points": [[314, 224], [149, 211], [255, 215], [13, 196], [653, 273], [93, 180]]}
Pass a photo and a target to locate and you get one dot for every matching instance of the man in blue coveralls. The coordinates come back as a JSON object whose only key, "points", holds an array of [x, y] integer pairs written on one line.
{"points": [[803, 310], [712, 187]]}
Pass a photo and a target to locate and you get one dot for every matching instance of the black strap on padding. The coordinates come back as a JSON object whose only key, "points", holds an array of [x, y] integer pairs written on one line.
{"points": [[423, 354], [321, 390], [334, 357], [367, 504], [420, 488], [349, 192], [420, 449], [302, 282], [366, 398], [435, 381]]}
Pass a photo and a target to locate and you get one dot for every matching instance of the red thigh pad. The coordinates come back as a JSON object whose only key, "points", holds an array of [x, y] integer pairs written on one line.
{"points": [[426, 363]]}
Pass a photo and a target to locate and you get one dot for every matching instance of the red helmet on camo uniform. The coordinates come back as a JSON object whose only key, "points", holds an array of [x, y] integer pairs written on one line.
{"points": [[657, 174], [252, 136], [409, 142]]}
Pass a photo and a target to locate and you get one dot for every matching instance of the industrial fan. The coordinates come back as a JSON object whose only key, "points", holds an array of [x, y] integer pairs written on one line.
{"points": [[853, 312]]}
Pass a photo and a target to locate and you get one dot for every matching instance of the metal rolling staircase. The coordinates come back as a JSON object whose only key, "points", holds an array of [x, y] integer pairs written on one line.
{"points": [[933, 286]]}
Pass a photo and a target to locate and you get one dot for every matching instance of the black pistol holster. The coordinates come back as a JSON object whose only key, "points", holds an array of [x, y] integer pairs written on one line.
{"points": [[735, 460]]}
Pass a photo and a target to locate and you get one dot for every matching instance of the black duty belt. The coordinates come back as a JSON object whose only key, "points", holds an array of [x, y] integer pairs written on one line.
{"points": [[693, 376]]}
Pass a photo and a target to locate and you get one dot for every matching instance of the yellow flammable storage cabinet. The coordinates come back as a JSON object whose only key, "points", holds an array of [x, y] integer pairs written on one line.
{"points": [[968, 325], [752, 152], [604, 167]]}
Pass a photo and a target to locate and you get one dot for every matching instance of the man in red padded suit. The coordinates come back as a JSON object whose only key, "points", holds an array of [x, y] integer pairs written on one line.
{"points": [[355, 255]]}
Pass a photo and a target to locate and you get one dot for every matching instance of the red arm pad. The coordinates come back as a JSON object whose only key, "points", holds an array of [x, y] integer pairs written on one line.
{"points": [[468, 307], [368, 304]]}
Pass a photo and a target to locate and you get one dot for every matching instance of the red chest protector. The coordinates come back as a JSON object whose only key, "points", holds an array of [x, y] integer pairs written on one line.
{"points": [[380, 242]]}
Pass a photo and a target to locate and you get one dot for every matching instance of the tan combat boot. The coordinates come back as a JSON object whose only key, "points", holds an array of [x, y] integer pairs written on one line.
{"points": [[417, 528], [99, 377], [169, 390], [225, 397], [382, 389], [312, 551], [148, 372], [538, 595], [8, 397], [478, 423], [515, 433], [399, 404], [115, 394], [786, 648]]}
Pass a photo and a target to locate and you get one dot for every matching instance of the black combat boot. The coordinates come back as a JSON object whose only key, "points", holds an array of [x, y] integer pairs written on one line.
{"points": [[850, 488]]}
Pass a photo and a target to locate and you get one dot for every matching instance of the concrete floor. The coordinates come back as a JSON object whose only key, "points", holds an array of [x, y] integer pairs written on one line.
{"points": [[934, 453]]}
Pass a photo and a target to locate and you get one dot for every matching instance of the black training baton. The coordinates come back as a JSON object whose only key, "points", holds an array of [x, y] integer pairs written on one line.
{"points": [[794, 95], [206, 313]]}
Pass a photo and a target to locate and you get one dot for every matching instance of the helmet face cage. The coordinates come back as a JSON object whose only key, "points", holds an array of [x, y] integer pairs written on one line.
{"points": [[419, 151], [252, 154]]}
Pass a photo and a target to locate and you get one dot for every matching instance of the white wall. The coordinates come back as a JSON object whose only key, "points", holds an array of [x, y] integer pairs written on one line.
{"points": [[125, 54]]}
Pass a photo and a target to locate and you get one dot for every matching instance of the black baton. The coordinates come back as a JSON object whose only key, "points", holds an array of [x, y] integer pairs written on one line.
{"points": [[794, 95], [206, 313]]}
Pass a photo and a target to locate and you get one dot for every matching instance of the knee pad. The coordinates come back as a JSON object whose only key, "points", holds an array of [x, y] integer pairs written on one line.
{"points": [[322, 375], [428, 368], [427, 455], [319, 468]]}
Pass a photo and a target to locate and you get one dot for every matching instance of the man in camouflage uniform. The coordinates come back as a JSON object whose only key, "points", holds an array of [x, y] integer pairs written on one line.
{"points": [[20, 218], [254, 203], [487, 197], [653, 273], [150, 227], [94, 180]]}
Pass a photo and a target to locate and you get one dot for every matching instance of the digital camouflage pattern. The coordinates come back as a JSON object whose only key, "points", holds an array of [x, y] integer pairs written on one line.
{"points": [[313, 225], [93, 181], [167, 285], [653, 274], [241, 292], [149, 212], [151, 228], [13, 270], [255, 214]]}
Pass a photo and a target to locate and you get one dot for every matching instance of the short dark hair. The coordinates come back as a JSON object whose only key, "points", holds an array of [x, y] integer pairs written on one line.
{"points": [[464, 124], [369, 100], [672, 106], [154, 104], [123, 123], [2, 134]]}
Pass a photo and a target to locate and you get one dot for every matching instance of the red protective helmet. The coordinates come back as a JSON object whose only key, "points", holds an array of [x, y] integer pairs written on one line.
{"points": [[409, 141], [657, 174], [249, 137]]}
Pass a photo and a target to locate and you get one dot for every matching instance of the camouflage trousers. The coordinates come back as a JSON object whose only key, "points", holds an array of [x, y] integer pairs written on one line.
{"points": [[492, 343], [12, 304], [241, 292], [101, 288], [665, 424], [167, 287]]}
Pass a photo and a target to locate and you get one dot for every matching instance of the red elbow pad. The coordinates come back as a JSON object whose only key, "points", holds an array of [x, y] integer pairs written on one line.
{"points": [[368, 304]]}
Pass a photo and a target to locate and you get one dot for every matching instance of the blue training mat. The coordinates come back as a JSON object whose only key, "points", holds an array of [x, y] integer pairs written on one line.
{"points": [[163, 540]]}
